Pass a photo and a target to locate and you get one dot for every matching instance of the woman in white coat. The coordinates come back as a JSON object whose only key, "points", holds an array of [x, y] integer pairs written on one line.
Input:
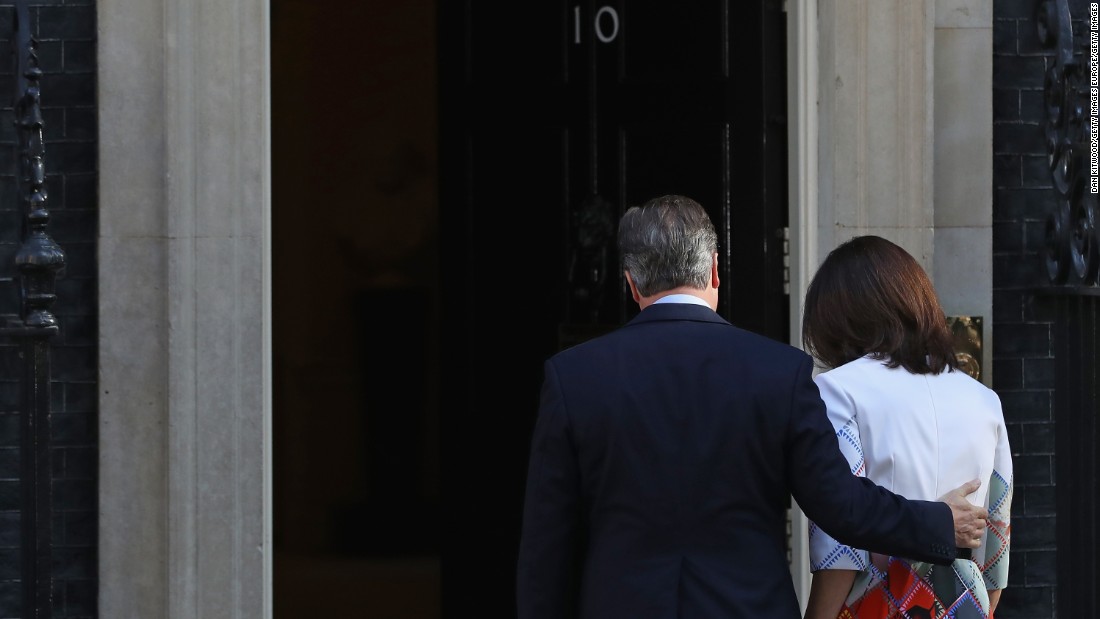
{"points": [[908, 419]]}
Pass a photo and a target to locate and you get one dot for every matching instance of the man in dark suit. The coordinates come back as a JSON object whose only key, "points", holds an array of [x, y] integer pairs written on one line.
{"points": [[665, 454]]}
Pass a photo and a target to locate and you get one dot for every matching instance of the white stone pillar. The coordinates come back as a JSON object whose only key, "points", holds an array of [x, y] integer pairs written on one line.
{"points": [[184, 332], [802, 146], [963, 264], [876, 123]]}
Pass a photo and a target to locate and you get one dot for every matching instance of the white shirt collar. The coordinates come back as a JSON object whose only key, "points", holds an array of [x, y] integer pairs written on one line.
{"points": [[682, 298]]}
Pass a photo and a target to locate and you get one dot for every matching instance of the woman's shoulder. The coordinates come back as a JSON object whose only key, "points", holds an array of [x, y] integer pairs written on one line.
{"points": [[855, 371], [861, 380], [960, 381]]}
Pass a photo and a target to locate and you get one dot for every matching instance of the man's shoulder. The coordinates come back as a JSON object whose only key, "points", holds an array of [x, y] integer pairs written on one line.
{"points": [[714, 334], [772, 348]]}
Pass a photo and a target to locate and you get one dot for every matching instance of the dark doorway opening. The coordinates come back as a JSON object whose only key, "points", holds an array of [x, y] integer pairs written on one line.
{"points": [[355, 309]]}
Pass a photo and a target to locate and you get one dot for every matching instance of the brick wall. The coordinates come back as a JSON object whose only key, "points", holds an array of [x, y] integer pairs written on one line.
{"points": [[1023, 362], [66, 32]]}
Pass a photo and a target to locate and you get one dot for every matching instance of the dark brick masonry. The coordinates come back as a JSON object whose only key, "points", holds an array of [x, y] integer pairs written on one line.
{"points": [[1023, 352], [66, 31]]}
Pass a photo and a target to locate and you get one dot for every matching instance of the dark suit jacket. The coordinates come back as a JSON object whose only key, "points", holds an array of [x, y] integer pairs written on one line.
{"points": [[661, 468]]}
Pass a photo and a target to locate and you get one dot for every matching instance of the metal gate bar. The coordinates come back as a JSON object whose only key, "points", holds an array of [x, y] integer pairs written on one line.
{"points": [[1076, 437], [38, 262]]}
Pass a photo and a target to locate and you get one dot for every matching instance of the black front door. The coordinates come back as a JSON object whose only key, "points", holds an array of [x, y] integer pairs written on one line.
{"points": [[556, 117]]}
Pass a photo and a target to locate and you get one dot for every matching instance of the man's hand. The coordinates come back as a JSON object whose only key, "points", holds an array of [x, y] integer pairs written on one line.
{"points": [[970, 520]]}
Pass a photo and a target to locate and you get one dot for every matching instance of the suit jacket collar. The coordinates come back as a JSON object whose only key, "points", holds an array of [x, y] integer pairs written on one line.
{"points": [[677, 311]]}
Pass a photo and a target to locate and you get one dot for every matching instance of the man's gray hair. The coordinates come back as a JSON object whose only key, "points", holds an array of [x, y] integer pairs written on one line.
{"points": [[666, 243]]}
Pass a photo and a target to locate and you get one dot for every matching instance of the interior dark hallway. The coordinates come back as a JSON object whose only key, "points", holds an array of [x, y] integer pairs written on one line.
{"points": [[355, 309]]}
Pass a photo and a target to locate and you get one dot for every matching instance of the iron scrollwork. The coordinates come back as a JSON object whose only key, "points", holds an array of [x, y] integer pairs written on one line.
{"points": [[39, 258], [1071, 252]]}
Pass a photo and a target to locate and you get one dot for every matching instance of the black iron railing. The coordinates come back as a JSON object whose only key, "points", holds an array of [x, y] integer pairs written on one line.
{"points": [[38, 261], [1071, 257], [1071, 253]]}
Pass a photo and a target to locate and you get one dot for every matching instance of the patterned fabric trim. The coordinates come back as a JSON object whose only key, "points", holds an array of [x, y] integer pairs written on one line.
{"points": [[852, 448], [829, 554], [995, 546], [826, 552]]}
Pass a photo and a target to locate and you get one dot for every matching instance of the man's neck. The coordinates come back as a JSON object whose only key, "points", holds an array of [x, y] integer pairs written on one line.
{"points": [[708, 297]]}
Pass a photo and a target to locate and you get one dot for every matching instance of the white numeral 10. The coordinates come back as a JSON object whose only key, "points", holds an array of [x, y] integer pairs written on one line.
{"points": [[597, 24]]}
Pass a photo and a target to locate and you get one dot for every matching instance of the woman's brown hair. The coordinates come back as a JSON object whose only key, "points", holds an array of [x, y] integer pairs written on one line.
{"points": [[870, 297]]}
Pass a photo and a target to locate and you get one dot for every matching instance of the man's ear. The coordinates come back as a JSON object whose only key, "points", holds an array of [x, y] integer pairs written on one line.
{"points": [[714, 270], [633, 289]]}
